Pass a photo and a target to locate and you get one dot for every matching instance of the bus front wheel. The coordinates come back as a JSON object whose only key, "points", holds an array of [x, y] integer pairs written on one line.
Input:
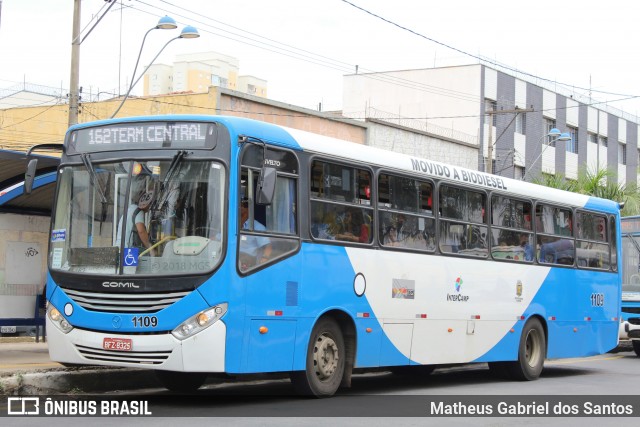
{"points": [[636, 346], [531, 353], [181, 381], [325, 362]]}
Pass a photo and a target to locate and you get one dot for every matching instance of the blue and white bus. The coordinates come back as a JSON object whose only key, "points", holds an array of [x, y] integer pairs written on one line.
{"points": [[630, 326], [208, 244]]}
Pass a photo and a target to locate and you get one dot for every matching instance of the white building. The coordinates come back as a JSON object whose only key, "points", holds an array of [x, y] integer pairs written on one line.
{"points": [[451, 104]]}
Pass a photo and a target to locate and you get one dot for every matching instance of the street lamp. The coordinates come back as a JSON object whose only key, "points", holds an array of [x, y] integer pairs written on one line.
{"points": [[165, 23], [556, 135], [187, 32]]}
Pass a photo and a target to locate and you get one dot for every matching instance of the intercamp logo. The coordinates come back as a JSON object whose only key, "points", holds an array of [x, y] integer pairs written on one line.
{"points": [[23, 406]]}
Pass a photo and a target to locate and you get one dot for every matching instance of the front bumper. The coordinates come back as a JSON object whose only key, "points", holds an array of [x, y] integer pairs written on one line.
{"points": [[630, 328], [203, 352]]}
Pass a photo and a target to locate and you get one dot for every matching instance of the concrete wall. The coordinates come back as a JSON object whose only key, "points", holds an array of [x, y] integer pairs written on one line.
{"points": [[450, 97], [419, 144], [241, 105]]}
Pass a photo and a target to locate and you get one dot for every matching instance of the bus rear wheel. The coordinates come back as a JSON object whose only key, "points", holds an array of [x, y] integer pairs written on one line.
{"points": [[182, 382], [636, 346], [325, 363], [531, 353]]}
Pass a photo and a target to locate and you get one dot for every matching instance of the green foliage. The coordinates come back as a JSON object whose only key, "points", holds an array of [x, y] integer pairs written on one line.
{"points": [[599, 183]]}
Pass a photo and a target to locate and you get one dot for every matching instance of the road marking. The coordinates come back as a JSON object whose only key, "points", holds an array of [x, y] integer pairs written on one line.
{"points": [[582, 360]]}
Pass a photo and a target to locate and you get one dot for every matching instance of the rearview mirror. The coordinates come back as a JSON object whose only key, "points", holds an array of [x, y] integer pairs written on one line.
{"points": [[266, 186], [30, 175]]}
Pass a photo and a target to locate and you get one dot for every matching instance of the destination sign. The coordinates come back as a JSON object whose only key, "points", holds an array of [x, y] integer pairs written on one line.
{"points": [[630, 225], [151, 135]]}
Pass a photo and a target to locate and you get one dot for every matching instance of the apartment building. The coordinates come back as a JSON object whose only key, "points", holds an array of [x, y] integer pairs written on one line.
{"points": [[484, 111], [195, 72]]}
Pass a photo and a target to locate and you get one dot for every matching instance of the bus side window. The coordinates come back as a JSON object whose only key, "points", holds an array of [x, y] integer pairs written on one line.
{"points": [[267, 232]]}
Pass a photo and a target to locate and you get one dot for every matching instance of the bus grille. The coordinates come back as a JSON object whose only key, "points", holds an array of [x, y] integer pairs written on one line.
{"points": [[124, 303], [635, 310], [138, 357]]}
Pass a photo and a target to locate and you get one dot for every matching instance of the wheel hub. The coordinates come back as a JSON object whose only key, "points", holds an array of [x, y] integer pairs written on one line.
{"points": [[325, 357], [532, 348]]}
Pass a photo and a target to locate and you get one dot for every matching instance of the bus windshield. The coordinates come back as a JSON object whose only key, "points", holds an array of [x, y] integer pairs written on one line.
{"points": [[153, 217]]}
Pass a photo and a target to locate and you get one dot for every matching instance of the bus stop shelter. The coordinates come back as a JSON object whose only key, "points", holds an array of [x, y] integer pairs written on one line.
{"points": [[24, 239], [13, 165]]}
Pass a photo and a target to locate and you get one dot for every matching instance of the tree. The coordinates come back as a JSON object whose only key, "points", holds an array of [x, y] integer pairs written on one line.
{"points": [[601, 183]]}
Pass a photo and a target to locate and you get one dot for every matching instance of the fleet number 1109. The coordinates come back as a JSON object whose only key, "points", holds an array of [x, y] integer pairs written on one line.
{"points": [[145, 321], [597, 300]]}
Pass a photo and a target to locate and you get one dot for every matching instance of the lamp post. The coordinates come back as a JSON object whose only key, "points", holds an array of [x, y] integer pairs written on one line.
{"points": [[165, 23], [187, 32], [557, 136]]}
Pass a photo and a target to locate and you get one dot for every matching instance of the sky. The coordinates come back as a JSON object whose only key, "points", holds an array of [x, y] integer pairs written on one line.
{"points": [[303, 48]]}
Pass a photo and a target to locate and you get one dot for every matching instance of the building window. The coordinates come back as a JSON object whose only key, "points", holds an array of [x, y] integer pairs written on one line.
{"points": [[521, 123], [572, 145], [604, 141], [622, 153], [592, 137], [548, 125], [490, 105]]}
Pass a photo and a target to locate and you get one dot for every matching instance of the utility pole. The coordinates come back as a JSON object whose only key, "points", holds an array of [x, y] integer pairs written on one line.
{"points": [[74, 80], [489, 168]]}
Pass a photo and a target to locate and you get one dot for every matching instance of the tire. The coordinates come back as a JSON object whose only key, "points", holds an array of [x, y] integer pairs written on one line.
{"points": [[182, 382], [636, 347], [531, 353], [325, 362]]}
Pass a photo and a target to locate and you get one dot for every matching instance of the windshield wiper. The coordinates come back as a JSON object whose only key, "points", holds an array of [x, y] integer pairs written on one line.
{"points": [[93, 178], [173, 167]]}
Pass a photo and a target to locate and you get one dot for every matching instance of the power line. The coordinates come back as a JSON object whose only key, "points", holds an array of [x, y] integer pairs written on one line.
{"points": [[495, 64], [304, 55]]}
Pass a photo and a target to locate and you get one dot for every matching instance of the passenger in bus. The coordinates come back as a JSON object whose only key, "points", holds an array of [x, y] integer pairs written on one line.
{"points": [[254, 250], [354, 228], [137, 235], [526, 245], [558, 251], [396, 234], [324, 225]]}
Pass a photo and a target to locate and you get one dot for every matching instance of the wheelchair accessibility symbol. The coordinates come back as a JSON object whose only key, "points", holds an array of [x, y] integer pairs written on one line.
{"points": [[130, 258]]}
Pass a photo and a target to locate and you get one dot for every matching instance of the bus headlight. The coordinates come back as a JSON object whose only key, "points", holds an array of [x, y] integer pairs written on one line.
{"points": [[200, 321], [58, 320]]}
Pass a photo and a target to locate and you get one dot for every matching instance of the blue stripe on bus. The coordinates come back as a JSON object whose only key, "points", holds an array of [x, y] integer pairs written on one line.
{"points": [[602, 205], [569, 332], [265, 131], [121, 323]]}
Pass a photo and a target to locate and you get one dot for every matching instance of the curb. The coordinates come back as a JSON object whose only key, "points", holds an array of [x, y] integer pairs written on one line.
{"points": [[88, 380]]}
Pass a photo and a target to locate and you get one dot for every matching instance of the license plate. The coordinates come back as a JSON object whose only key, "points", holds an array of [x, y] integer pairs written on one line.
{"points": [[7, 329], [117, 344]]}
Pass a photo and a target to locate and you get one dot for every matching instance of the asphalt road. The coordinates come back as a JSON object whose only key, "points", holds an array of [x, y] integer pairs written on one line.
{"points": [[377, 399]]}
